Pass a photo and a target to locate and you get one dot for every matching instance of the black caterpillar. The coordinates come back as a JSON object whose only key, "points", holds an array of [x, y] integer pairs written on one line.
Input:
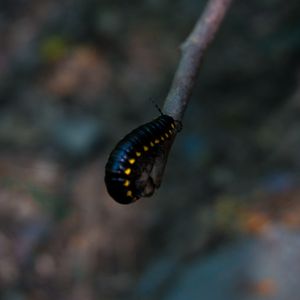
{"points": [[135, 167]]}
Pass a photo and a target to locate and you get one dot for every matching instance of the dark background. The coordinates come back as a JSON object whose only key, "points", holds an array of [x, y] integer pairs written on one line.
{"points": [[75, 77]]}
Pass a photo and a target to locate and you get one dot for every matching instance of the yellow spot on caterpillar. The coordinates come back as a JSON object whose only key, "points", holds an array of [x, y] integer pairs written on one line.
{"points": [[151, 144], [129, 194], [126, 182], [170, 131], [173, 125], [138, 154], [166, 135], [127, 171], [162, 138], [146, 148], [156, 141], [132, 161]]}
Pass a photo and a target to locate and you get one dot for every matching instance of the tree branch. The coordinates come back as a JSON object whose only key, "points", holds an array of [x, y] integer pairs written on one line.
{"points": [[192, 53]]}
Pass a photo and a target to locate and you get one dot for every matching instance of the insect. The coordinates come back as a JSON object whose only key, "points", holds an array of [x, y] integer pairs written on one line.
{"points": [[135, 166]]}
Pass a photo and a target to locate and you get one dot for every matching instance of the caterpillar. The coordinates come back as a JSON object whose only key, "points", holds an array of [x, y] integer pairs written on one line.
{"points": [[135, 166]]}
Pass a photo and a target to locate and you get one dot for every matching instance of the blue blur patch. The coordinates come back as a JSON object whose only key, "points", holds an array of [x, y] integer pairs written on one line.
{"points": [[194, 147]]}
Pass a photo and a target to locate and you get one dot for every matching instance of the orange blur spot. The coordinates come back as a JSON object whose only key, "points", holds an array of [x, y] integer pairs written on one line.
{"points": [[264, 287]]}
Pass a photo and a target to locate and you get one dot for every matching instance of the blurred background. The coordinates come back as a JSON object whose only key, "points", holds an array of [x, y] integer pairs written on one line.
{"points": [[75, 77]]}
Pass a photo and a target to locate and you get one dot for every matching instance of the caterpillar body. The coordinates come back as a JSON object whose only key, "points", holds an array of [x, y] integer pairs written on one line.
{"points": [[134, 168]]}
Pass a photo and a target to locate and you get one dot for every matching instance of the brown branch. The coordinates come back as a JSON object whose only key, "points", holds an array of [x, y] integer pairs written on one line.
{"points": [[192, 53]]}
